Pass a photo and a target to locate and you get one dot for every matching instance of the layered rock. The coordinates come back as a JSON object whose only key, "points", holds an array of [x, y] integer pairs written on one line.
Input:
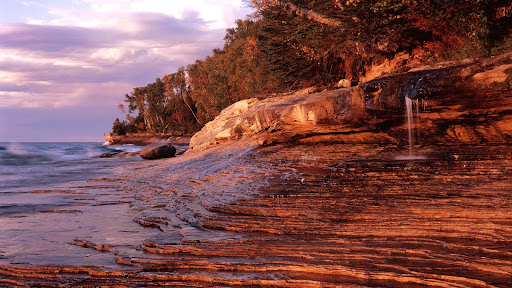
{"points": [[322, 215], [467, 101], [310, 214], [143, 139]]}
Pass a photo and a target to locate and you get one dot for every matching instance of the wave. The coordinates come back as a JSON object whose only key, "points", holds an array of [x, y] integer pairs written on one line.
{"points": [[125, 148], [33, 153], [17, 154]]}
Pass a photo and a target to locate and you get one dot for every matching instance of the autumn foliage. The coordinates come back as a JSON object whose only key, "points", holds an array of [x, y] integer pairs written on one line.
{"points": [[291, 44]]}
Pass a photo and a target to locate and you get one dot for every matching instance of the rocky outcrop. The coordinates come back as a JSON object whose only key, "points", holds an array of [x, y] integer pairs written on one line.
{"points": [[321, 215], [157, 151], [463, 102], [399, 62], [143, 139], [119, 154], [223, 126]]}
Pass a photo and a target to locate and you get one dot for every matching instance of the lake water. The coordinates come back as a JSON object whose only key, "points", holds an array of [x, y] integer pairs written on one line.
{"points": [[25, 167]]}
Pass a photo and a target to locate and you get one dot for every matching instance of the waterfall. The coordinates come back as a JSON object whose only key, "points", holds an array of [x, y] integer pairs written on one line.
{"points": [[412, 105], [410, 122]]}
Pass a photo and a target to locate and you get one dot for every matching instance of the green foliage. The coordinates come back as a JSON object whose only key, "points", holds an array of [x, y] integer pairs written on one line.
{"points": [[299, 43], [118, 127], [231, 74], [162, 106], [180, 106], [310, 50]]}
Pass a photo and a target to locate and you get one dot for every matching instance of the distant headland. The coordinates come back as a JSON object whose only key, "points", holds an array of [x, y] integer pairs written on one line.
{"points": [[143, 139]]}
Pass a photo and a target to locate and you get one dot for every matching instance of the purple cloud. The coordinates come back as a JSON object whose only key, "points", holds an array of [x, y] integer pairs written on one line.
{"points": [[73, 56], [51, 38], [49, 70]]}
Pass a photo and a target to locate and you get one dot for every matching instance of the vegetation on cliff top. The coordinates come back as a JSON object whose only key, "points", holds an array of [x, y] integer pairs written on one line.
{"points": [[294, 44]]}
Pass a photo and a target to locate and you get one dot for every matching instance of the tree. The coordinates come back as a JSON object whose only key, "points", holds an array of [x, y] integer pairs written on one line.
{"points": [[180, 107], [292, 44], [235, 72], [304, 12], [118, 127], [156, 103]]}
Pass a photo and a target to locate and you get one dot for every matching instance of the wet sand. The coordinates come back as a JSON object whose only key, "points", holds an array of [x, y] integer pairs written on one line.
{"points": [[322, 215]]}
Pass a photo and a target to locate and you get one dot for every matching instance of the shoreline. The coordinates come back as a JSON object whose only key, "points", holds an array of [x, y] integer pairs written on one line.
{"points": [[143, 139], [289, 215]]}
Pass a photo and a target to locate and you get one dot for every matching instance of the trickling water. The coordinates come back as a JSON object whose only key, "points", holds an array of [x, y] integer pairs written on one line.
{"points": [[412, 102], [410, 105], [410, 122]]}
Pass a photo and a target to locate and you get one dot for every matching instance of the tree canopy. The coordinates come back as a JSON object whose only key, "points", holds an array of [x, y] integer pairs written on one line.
{"points": [[292, 44]]}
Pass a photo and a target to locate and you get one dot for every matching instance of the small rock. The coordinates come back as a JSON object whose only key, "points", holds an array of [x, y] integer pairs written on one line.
{"points": [[118, 154], [157, 151], [131, 154], [344, 83], [109, 155]]}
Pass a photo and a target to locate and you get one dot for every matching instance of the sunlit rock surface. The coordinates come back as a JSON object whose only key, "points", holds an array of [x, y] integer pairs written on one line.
{"points": [[143, 139], [454, 102], [320, 215]]}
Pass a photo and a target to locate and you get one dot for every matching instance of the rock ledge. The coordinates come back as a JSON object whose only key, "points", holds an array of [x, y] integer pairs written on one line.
{"points": [[461, 102]]}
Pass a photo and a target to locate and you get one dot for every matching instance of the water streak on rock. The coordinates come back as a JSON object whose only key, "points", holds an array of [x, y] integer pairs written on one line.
{"points": [[410, 123]]}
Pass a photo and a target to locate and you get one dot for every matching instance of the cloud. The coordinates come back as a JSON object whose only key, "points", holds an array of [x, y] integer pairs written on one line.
{"points": [[88, 54], [218, 14], [39, 60], [147, 30], [51, 38]]}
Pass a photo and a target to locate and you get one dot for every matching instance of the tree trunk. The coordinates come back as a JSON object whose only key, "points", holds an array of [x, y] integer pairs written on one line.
{"points": [[309, 14]]}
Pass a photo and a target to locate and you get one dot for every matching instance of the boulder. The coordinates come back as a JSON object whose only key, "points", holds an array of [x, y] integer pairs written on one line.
{"points": [[157, 151]]}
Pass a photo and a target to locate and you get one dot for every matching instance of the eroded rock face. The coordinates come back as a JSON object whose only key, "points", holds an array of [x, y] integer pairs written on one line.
{"points": [[222, 127], [298, 112], [157, 151], [461, 102]]}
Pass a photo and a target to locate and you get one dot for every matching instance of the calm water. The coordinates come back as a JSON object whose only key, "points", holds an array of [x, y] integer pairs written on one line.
{"points": [[25, 167]]}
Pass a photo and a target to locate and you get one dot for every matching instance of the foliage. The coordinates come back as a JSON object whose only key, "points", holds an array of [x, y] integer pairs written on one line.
{"points": [[180, 107], [118, 127], [293, 44], [231, 74]]}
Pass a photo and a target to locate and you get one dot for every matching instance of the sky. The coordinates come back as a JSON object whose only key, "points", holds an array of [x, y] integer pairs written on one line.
{"points": [[65, 65]]}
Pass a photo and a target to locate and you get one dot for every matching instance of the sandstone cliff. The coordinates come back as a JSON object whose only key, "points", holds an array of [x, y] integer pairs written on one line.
{"points": [[454, 102]]}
